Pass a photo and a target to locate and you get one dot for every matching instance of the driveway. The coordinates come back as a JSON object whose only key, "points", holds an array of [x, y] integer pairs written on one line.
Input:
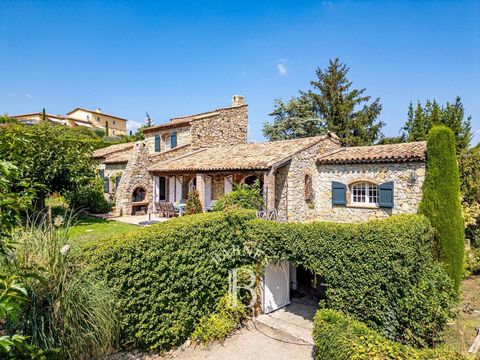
{"points": [[253, 342]]}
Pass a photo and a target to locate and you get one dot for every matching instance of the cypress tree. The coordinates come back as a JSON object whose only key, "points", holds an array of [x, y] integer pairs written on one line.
{"points": [[441, 200], [106, 128]]}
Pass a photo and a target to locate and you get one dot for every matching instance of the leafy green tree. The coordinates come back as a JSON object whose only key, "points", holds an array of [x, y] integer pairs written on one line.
{"points": [[422, 118], [441, 200], [194, 206], [243, 196], [53, 157], [332, 105]]}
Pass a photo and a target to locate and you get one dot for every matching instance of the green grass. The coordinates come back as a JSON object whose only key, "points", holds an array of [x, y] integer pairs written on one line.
{"points": [[462, 331], [86, 229]]}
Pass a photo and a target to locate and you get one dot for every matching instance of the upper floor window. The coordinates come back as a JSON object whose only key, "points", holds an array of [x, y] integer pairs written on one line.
{"points": [[309, 193], [88, 117], [365, 193], [98, 118], [113, 122], [168, 142]]}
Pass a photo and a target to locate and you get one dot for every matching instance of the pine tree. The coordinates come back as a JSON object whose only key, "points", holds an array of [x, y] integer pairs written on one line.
{"points": [[44, 115], [331, 106], [148, 120], [194, 206], [423, 118]]}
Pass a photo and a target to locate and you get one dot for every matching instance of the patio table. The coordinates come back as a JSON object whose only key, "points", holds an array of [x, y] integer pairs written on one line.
{"points": [[180, 208]]}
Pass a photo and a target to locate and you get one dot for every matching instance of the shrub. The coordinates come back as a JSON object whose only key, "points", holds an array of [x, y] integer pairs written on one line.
{"points": [[375, 271], [194, 206], [441, 201], [88, 198], [339, 337], [227, 317], [243, 196], [67, 309], [171, 274]]}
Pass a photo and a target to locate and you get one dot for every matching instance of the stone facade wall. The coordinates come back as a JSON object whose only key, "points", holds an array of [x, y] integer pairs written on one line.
{"points": [[302, 164], [135, 175], [229, 127], [112, 171], [183, 138], [281, 192], [408, 180]]}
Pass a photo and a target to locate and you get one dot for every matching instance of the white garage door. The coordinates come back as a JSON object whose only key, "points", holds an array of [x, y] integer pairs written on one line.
{"points": [[276, 289]]}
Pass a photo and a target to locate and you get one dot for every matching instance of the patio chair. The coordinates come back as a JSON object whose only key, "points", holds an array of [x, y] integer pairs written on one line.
{"points": [[267, 215], [170, 210], [160, 208]]}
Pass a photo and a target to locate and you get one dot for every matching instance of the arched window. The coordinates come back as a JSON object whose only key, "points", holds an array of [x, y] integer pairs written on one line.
{"points": [[309, 194], [364, 193]]}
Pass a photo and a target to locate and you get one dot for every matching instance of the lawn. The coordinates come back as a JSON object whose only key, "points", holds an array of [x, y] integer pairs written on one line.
{"points": [[461, 333], [88, 228]]}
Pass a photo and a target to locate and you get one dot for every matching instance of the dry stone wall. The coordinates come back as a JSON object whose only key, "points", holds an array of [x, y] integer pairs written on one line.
{"points": [[229, 127]]}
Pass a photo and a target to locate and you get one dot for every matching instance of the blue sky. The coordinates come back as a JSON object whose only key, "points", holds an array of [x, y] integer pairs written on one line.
{"points": [[175, 58]]}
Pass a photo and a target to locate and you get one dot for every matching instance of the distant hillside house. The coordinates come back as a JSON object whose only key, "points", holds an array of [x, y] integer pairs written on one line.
{"points": [[81, 117]]}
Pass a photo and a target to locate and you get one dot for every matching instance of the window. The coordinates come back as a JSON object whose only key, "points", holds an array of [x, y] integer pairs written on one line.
{"points": [[113, 122], [309, 194], [162, 189], [168, 142], [88, 117], [365, 193], [98, 118]]}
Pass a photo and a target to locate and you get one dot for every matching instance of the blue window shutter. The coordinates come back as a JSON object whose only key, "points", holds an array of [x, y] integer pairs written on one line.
{"points": [[157, 143], [339, 193], [101, 173], [106, 184], [386, 195], [117, 181], [173, 140]]}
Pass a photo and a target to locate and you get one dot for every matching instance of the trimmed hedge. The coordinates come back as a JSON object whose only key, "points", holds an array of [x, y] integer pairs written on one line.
{"points": [[381, 272], [171, 274], [441, 201], [339, 337]]}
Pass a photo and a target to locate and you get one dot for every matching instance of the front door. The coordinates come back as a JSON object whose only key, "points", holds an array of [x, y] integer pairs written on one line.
{"points": [[276, 286]]}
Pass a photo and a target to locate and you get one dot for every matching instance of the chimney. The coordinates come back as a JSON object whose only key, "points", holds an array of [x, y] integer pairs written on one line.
{"points": [[98, 110], [238, 100]]}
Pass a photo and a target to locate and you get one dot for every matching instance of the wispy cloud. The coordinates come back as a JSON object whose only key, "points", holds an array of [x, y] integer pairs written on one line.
{"points": [[28, 96], [282, 67]]}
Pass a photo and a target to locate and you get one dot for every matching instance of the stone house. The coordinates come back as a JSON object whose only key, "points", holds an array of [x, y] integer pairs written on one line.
{"points": [[303, 179]]}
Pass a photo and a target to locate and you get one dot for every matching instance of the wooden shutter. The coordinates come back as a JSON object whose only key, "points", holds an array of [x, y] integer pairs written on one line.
{"points": [[157, 143], [386, 195], [117, 181], [339, 193], [173, 140], [106, 184], [101, 173]]}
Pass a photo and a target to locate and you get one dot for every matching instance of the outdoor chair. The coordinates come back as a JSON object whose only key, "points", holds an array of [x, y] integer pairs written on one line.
{"points": [[170, 210], [267, 215], [160, 208]]}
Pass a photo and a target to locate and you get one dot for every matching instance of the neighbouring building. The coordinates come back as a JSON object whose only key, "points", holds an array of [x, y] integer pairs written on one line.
{"points": [[81, 117], [303, 179]]}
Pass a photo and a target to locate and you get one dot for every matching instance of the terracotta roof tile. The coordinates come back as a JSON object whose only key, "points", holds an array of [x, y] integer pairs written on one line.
{"points": [[238, 157], [413, 151], [118, 158], [100, 153]]}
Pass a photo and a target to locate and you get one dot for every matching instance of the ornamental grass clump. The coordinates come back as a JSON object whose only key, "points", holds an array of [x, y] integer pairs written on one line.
{"points": [[67, 308]]}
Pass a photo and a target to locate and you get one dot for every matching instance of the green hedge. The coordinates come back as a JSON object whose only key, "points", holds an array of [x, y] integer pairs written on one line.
{"points": [[381, 272], [171, 274], [339, 337], [441, 200]]}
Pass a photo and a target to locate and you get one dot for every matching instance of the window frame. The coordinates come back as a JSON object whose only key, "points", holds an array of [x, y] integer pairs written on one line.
{"points": [[167, 140], [369, 188]]}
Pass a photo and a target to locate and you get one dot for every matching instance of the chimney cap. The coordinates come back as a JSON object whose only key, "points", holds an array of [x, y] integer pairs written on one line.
{"points": [[98, 110], [238, 100]]}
